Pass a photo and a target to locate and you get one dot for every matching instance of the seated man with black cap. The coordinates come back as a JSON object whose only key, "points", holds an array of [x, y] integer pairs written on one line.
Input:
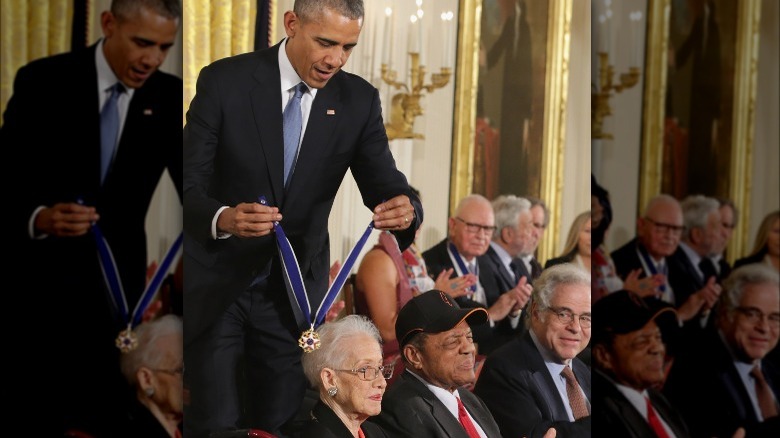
{"points": [[428, 399], [629, 353]]}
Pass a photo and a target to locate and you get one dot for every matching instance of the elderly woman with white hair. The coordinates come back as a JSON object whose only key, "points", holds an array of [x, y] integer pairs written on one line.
{"points": [[154, 370], [348, 373]]}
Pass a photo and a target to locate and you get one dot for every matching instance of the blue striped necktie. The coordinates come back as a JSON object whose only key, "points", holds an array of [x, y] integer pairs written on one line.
{"points": [[293, 123], [109, 129]]}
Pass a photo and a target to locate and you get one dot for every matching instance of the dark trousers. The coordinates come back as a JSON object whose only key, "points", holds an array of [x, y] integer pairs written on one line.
{"points": [[245, 371]]}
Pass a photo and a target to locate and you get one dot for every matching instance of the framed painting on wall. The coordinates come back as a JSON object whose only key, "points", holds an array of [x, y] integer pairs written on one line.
{"points": [[510, 100], [700, 101]]}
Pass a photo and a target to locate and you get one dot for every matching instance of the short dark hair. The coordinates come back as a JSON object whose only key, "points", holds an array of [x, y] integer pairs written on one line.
{"points": [[311, 9], [126, 8]]}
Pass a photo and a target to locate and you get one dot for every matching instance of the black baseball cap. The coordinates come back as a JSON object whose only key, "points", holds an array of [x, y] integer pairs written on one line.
{"points": [[433, 312], [624, 312]]}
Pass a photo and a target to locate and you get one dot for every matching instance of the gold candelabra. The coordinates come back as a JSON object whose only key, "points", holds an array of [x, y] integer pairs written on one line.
{"points": [[405, 106], [600, 99]]}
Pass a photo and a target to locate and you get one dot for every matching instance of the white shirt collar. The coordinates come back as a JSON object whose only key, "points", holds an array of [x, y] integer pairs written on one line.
{"points": [[105, 75], [289, 77]]}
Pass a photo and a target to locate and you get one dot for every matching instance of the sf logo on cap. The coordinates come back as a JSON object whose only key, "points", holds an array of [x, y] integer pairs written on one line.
{"points": [[445, 298]]}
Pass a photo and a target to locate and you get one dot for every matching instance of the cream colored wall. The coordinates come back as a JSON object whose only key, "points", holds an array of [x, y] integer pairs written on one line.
{"points": [[577, 150], [164, 218], [616, 161], [426, 163]]}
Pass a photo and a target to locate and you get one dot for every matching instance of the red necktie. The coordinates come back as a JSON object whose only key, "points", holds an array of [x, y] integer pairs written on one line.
{"points": [[360, 433], [464, 419], [654, 421]]}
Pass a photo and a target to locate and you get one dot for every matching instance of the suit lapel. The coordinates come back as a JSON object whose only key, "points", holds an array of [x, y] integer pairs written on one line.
{"points": [[266, 102], [498, 266]]}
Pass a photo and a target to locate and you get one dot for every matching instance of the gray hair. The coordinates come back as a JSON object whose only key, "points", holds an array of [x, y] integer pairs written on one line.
{"points": [[734, 285], [334, 347], [557, 275], [123, 9], [507, 210], [696, 209], [148, 353], [312, 9], [468, 200]]}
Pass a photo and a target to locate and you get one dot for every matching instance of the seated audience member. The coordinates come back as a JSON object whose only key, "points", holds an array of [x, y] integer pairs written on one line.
{"points": [[154, 370], [470, 230], [729, 216], [604, 275], [658, 237], [702, 238], [724, 382], [767, 246], [348, 373], [541, 217], [536, 382], [387, 278], [577, 248], [429, 399], [513, 236], [628, 357]]}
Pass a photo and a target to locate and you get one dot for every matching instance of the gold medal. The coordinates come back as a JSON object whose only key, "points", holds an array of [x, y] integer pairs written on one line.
{"points": [[309, 341], [127, 341]]}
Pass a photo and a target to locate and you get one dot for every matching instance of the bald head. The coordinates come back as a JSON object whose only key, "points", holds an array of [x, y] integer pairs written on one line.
{"points": [[661, 226], [471, 228]]}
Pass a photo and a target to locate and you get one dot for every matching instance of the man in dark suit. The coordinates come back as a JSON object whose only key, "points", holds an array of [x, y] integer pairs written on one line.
{"points": [[628, 356], [242, 321], [729, 216], [541, 217], [725, 381], [52, 132], [469, 234], [429, 398], [655, 251], [536, 382], [514, 228]]}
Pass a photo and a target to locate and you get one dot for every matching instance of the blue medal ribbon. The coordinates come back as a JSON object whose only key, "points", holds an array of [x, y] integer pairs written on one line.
{"points": [[462, 265], [126, 340], [294, 279], [651, 265]]}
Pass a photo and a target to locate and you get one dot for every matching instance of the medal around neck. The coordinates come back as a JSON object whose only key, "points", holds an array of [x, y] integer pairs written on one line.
{"points": [[127, 340], [310, 340]]}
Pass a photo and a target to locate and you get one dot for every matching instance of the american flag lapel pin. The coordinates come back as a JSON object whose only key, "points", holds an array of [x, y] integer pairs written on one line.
{"points": [[331, 112], [148, 112]]}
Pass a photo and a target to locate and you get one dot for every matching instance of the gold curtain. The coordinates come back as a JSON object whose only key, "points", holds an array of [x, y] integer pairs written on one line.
{"points": [[30, 29], [214, 29]]}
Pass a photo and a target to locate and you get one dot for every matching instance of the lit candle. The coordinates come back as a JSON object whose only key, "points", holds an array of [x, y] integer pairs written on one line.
{"points": [[388, 36], [421, 37], [412, 42], [638, 50], [446, 18], [602, 34]]}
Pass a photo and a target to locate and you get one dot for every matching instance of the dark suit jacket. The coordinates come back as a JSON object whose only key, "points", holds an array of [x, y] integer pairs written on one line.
{"points": [[755, 258], [51, 134], [234, 154], [560, 260], [705, 386], [616, 416], [437, 259], [326, 424], [519, 391], [52, 128], [410, 409]]}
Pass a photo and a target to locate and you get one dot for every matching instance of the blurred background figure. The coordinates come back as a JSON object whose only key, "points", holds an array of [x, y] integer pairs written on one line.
{"points": [[154, 371], [387, 278], [729, 217], [766, 248], [578, 244], [541, 217], [348, 374], [724, 381]]}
